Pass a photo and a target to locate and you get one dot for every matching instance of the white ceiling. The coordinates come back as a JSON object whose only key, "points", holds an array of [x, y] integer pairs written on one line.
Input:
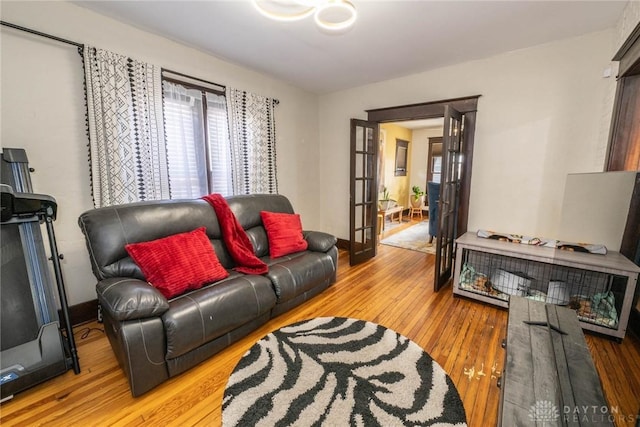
{"points": [[392, 38]]}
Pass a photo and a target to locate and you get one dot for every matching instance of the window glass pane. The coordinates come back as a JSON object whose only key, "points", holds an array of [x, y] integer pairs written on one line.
{"points": [[436, 167], [437, 164], [359, 217], [219, 149], [369, 140], [359, 138], [184, 128], [459, 167]]}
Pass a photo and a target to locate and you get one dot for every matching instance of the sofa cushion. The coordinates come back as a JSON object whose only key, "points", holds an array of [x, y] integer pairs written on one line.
{"points": [[178, 263], [200, 316], [109, 229], [284, 232], [293, 275]]}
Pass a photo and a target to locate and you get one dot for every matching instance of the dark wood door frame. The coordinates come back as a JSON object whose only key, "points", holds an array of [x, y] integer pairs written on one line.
{"points": [[425, 110], [431, 110], [624, 150], [629, 54]]}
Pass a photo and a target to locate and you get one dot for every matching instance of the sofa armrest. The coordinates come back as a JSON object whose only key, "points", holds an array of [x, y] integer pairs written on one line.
{"points": [[319, 241], [127, 299]]}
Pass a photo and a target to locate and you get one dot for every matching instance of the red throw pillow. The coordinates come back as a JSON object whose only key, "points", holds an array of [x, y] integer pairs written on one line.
{"points": [[284, 232], [178, 263]]}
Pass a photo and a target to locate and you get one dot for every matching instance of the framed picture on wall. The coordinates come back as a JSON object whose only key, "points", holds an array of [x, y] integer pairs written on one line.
{"points": [[402, 147]]}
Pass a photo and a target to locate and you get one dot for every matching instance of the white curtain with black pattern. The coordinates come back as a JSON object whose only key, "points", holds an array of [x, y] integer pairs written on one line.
{"points": [[128, 155], [253, 142]]}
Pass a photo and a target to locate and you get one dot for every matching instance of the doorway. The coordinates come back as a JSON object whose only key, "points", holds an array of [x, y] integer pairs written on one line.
{"points": [[460, 115], [419, 136], [430, 110]]}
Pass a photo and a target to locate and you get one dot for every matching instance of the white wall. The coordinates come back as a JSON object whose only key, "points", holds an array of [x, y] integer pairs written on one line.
{"points": [[43, 111], [595, 208], [539, 118]]}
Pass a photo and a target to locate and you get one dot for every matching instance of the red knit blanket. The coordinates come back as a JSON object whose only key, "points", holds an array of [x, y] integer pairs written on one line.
{"points": [[235, 238]]}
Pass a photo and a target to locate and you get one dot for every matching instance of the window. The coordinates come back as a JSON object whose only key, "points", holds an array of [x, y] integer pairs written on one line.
{"points": [[436, 167], [434, 160], [197, 137]]}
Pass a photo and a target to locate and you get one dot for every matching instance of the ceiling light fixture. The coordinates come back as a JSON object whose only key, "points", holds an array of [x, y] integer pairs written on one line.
{"points": [[330, 15]]}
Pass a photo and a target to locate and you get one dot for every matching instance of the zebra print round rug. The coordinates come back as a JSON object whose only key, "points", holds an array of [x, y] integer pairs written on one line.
{"points": [[332, 371]]}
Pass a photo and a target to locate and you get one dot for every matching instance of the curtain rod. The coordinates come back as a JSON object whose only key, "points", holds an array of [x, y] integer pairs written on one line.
{"points": [[164, 70], [41, 34]]}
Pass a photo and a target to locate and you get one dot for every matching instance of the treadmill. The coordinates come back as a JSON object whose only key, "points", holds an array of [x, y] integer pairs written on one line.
{"points": [[35, 345]]}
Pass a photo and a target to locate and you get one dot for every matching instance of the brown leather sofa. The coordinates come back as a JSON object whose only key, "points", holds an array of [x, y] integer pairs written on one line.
{"points": [[154, 338]]}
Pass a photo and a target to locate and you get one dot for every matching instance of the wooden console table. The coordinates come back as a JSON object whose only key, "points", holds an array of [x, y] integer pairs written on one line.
{"points": [[549, 377]]}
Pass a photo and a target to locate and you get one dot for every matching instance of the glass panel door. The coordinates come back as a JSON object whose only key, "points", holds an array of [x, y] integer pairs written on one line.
{"points": [[449, 196], [363, 191]]}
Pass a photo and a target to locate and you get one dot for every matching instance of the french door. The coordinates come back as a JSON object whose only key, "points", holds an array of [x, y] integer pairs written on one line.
{"points": [[449, 195], [363, 195]]}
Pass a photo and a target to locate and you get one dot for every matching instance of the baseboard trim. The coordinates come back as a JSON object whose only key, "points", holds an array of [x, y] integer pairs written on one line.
{"points": [[343, 244], [82, 313]]}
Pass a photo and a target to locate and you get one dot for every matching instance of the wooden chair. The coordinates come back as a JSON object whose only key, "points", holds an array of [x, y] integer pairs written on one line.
{"points": [[415, 211]]}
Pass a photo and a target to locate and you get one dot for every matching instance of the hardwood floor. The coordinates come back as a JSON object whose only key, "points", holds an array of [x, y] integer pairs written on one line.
{"points": [[394, 289]]}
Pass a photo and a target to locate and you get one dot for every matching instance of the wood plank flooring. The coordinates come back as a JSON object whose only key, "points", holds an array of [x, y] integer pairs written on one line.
{"points": [[394, 290]]}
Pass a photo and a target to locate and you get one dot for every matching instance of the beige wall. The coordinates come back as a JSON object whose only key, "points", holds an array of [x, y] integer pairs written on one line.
{"points": [[627, 22], [43, 111], [539, 118]]}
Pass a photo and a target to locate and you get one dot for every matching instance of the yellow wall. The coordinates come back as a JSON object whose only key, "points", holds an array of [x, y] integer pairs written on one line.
{"points": [[398, 186]]}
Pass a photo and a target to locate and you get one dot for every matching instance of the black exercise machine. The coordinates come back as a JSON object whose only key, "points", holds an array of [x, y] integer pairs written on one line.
{"points": [[35, 344]]}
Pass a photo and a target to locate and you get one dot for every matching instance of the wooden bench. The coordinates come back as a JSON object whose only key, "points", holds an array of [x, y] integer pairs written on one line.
{"points": [[549, 377], [392, 212]]}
